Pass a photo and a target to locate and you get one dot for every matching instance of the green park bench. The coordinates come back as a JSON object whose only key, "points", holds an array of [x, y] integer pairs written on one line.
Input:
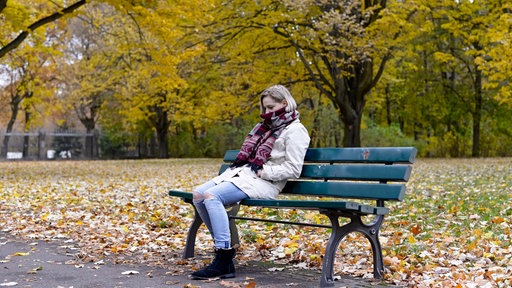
{"points": [[337, 182]]}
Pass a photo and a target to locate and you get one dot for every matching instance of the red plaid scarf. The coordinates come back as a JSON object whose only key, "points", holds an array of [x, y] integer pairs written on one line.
{"points": [[259, 143]]}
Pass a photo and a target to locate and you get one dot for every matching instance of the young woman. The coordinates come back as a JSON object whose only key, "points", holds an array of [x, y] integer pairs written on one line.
{"points": [[273, 152]]}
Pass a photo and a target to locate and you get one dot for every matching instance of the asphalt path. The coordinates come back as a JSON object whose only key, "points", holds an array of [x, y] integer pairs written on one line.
{"points": [[43, 264]]}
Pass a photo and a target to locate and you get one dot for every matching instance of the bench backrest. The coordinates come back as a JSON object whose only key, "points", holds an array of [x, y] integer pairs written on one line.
{"points": [[376, 173]]}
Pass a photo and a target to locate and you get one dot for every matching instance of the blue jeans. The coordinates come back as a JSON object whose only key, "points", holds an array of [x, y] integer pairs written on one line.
{"points": [[213, 212]]}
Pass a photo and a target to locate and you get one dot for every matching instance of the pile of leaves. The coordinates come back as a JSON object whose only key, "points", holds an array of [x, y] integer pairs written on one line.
{"points": [[452, 230]]}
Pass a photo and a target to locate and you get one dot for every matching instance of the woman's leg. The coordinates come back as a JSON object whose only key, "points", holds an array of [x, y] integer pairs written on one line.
{"points": [[216, 198], [199, 203]]}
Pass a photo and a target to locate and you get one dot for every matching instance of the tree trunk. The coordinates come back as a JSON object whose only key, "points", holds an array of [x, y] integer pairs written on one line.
{"points": [[26, 145], [15, 104], [388, 106], [5, 143], [477, 115], [162, 124], [350, 98], [41, 145], [87, 115], [162, 131], [89, 124], [89, 144], [26, 138], [163, 143], [352, 130]]}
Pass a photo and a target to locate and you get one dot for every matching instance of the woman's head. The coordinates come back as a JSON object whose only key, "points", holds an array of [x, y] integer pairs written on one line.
{"points": [[280, 95]]}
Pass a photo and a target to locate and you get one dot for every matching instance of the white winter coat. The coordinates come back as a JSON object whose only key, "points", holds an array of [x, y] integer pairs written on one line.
{"points": [[285, 162]]}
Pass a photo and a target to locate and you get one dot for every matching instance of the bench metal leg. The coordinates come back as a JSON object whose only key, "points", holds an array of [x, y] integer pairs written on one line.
{"points": [[232, 211], [371, 232], [192, 234], [339, 232]]}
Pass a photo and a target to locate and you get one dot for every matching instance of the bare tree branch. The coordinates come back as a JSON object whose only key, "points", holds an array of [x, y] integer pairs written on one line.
{"points": [[48, 19], [3, 4]]}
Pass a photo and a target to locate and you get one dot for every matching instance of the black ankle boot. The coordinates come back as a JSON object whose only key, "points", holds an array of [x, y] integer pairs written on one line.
{"points": [[221, 267]]}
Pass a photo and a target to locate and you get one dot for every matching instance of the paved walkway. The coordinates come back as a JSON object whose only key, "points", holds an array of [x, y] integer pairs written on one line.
{"points": [[47, 265]]}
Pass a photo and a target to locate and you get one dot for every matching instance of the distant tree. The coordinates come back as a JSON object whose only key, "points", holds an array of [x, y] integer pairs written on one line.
{"points": [[88, 67], [343, 47], [28, 73], [155, 53]]}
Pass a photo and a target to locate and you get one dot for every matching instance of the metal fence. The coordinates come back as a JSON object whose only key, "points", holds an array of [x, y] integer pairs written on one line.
{"points": [[48, 146]]}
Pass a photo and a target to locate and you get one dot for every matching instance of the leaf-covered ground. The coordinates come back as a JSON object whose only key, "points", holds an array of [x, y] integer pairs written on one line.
{"points": [[452, 230]]}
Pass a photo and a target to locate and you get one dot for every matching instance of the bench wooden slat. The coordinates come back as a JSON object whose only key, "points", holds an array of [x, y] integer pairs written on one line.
{"points": [[355, 190], [362, 172], [288, 203], [181, 194], [352, 190], [368, 155], [300, 204], [377, 192], [315, 204]]}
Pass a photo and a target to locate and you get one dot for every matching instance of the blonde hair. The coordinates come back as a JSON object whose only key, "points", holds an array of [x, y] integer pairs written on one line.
{"points": [[278, 93]]}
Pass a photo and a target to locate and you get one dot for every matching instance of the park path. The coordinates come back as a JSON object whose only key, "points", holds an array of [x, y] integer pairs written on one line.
{"points": [[43, 264]]}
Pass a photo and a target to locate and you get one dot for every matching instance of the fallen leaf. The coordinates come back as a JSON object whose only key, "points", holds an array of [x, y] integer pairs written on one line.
{"points": [[229, 284], [416, 229], [274, 269]]}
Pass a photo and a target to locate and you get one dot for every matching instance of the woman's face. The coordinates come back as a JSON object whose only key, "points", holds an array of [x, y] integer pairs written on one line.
{"points": [[271, 105]]}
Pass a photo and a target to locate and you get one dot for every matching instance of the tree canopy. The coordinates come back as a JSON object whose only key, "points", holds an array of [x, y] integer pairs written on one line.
{"points": [[433, 74]]}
